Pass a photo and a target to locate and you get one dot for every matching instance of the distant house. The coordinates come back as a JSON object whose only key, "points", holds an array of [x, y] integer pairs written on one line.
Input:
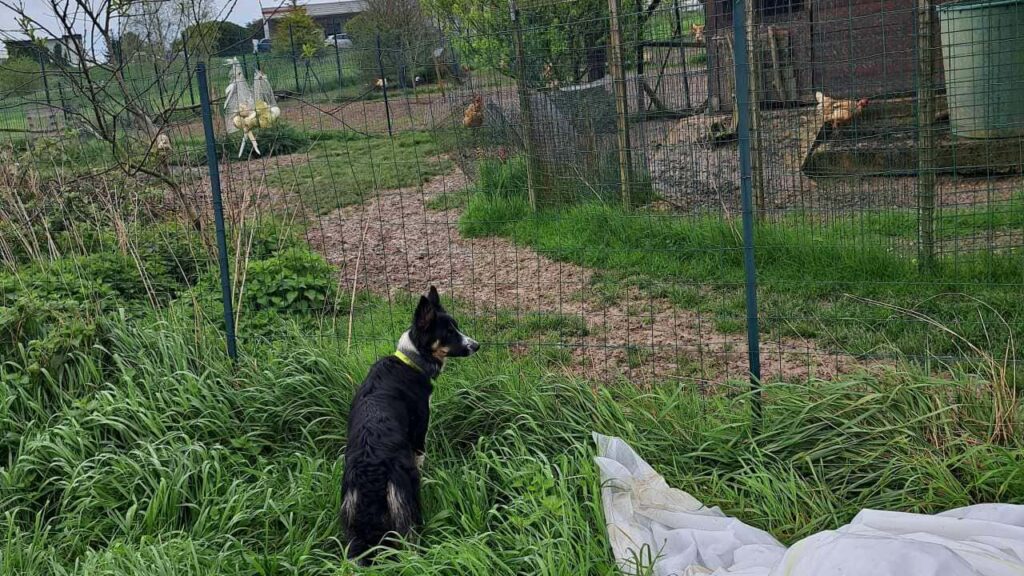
{"points": [[331, 16], [63, 50]]}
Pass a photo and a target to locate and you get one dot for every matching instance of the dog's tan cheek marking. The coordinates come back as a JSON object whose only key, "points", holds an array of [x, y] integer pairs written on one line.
{"points": [[441, 352]]}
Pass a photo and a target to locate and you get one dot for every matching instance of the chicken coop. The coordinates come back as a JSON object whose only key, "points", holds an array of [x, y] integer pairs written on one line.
{"points": [[844, 48]]}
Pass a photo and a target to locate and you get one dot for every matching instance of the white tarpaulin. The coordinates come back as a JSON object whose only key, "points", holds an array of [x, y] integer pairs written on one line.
{"points": [[648, 519]]}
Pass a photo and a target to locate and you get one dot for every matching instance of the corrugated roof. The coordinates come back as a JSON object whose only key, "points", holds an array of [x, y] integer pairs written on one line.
{"points": [[320, 9]]}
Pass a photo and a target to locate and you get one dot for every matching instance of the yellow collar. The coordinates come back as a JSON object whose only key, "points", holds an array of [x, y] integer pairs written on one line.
{"points": [[407, 361]]}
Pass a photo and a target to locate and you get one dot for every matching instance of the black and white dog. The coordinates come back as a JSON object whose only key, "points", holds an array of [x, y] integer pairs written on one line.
{"points": [[387, 427]]}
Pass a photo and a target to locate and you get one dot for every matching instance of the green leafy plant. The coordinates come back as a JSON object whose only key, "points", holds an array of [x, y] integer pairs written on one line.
{"points": [[295, 280], [297, 34]]}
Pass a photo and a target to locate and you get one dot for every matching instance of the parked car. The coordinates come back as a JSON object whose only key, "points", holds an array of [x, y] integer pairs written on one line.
{"points": [[263, 45], [338, 41]]}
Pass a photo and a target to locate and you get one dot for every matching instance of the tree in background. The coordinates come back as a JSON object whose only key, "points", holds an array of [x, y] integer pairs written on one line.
{"points": [[125, 97], [407, 39], [255, 29], [305, 33], [19, 76], [563, 35], [206, 39], [159, 24]]}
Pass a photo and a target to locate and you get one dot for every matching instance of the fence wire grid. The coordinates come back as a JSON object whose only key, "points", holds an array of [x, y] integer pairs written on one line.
{"points": [[567, 173]]}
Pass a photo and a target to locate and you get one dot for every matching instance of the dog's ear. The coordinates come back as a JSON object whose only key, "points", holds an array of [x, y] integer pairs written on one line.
{"points": [[425, 314], [433, 296]]}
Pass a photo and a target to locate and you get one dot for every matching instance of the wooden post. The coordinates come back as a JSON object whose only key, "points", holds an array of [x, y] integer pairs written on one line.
{"points": [[753, 53], [621, 105], [525, 107], [682, 54], [926, 137]]}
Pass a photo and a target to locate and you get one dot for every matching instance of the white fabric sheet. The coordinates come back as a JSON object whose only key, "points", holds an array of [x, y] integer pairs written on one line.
{"points": [[649, 520]]}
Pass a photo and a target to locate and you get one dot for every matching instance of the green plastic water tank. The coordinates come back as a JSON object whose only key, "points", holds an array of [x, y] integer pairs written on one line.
{"points": [[983, 57]]}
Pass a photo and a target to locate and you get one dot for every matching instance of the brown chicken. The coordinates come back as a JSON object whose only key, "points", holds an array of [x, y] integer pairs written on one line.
{"points": [[474, 115], [839, 112], [548, 74], [698, 33]]}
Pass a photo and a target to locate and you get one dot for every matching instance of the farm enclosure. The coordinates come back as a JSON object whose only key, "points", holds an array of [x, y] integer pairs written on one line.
{"points": [[583, 217]]}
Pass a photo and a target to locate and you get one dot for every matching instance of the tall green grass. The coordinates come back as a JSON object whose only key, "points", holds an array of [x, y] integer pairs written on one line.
{"points": [[157, 457]]}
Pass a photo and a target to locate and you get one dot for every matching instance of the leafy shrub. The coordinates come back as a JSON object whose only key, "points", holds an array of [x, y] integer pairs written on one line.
{"points": [[174, 252], [271, 238], [297, 34], [44, 330], [406, 40], [295, 280], [20, 76]]}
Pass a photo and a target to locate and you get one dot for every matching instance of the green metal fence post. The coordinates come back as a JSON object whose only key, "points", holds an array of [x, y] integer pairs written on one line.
{"points": [[295, 65], [218, 209], [742, 72], [384, 85], [337, 62], [188, 68]]}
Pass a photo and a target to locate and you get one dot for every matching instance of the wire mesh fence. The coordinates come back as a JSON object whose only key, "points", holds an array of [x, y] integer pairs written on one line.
{"points": [[569, 174]]}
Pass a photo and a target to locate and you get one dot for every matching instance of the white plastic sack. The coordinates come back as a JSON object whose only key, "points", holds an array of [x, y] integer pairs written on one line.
{"points": [[267, 110], [239, 100], [648, 519]]}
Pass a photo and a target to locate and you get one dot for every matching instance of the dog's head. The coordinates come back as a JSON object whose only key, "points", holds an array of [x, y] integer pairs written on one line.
{"points": [[435, 334]]}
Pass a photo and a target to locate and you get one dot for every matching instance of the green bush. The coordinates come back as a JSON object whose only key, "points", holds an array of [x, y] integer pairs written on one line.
{"points": [[297, 34], [20, 76], [405, 40], [295, 280]]}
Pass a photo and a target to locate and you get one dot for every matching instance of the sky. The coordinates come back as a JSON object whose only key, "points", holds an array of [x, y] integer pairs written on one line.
{"points": [[244, 11]]}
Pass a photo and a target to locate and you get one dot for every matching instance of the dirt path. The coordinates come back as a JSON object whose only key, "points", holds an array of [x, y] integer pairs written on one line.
{"points": [[405, 246]]}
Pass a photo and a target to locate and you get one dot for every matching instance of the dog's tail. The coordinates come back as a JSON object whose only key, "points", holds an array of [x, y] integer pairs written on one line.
{"points": [[381, 504]]}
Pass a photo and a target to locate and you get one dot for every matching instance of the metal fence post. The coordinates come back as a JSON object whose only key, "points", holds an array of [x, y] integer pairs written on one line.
{"points": [[188, 68], [742, 72], [622, 104], [926, 179], [337, 62], [295, 66], [218, 209], [46, 82], [384, 85]]}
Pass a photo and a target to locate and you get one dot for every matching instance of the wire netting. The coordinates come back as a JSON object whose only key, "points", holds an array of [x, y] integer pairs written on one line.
{"points": [[570, 180]]}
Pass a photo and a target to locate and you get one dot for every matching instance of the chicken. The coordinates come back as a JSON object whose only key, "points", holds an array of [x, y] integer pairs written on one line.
{"points": [[698, 33], [380, 84], [548, 74], [839, 112], [474, 115]]}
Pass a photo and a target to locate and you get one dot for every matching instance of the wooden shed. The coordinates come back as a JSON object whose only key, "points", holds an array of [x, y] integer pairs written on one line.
{"points": [[845, 48]]}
